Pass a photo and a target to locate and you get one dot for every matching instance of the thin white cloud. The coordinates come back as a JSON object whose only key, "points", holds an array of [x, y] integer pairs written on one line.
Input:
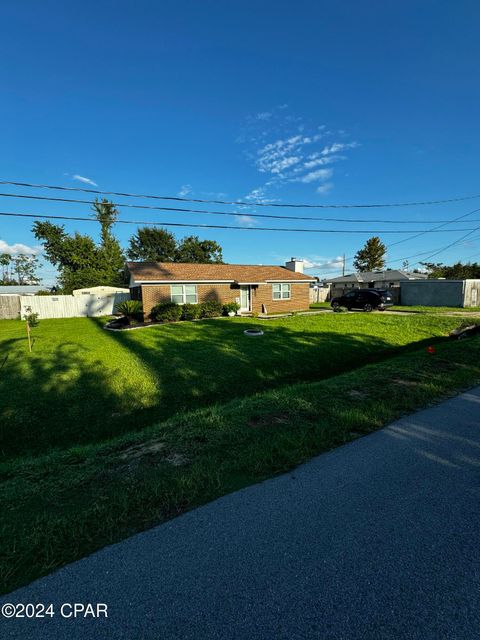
{"points": [[316, 176], [184, 190], [286, 148], [320, 262], [213, 194], [246, 221], [264, 115], [338, 146], [325, 188], [258, 195], [316, 162], [84, 180], [18, 248]]}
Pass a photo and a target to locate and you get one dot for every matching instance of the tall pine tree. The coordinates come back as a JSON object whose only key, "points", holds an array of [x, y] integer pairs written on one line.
{"points": [[371, 256]]}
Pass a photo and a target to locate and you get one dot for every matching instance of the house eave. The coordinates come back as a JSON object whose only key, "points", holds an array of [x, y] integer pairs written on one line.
{"points": [[181, 281], [291, 280], [136, 283]]}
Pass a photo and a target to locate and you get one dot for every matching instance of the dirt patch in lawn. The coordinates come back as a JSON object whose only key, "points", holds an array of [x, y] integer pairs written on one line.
{"points": [[269, 420], [141, 450], [356, 394], [406, 383]]}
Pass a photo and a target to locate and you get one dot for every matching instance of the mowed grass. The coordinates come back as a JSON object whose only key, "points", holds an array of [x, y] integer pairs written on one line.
{"points": [[83, 384], [60, 506], [422, 309], [412, 309]]}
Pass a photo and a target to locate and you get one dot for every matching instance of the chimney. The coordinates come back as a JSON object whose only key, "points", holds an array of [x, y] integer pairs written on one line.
{"points": [[295, 265]]}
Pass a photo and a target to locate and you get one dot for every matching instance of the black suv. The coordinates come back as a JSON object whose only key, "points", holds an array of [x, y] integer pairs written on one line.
{"points": [[366, 299]]}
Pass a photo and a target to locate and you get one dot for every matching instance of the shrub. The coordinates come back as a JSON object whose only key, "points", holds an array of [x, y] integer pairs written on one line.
{"points": [[191, 311], [211, 309], [130, 309], [230, 306], [166, 312]]}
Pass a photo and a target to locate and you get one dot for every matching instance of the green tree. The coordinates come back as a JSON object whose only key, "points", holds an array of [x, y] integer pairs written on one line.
{"points": [[371, 256], [5, 261], [457, 271], [81, 262], [25, 267], [152, 244], [192, 249]]}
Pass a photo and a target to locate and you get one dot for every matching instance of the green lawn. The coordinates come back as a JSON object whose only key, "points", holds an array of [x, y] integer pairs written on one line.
{"points": [[420, 309], [412, 309], [83, 384], [57, 507]]}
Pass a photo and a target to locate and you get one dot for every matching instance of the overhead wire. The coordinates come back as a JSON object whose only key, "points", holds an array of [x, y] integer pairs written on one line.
{"points": [[240, 202], [211, 226], [226, 213]]}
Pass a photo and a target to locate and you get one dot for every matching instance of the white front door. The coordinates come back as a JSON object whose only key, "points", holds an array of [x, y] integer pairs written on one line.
{"points": [[245, 298]]}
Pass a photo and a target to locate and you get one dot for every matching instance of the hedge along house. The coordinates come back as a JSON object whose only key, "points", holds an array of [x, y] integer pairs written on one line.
{"points": [[256, 288]]}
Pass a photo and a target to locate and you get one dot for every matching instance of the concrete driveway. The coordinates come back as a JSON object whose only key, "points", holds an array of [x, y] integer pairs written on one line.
{"points": [[378, 539]]}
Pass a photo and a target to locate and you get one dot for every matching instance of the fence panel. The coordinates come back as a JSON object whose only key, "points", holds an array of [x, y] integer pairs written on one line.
{"points": [[319, 294], [72, 306], [9, 307]]}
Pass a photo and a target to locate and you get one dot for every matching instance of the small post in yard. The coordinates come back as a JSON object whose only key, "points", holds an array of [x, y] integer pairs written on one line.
{"points": [[29, 337], [31, 320]]}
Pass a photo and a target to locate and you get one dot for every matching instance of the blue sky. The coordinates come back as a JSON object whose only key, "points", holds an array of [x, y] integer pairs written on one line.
{"points": [[315, 102]]}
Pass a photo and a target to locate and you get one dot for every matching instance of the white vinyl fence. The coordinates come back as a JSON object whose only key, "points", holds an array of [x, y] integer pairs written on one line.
{"points": [[71, 306], [319, 294]]}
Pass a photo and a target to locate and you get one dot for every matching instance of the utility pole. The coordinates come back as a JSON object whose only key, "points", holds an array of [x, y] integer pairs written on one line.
{"points": [[343, 266]]}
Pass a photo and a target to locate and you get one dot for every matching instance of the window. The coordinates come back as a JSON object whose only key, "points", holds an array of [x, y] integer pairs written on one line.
{"points": [[183, 293], [281, 291]]}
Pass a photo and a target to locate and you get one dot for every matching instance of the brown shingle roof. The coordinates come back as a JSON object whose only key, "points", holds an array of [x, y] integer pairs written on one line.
{"points": [[182, 272]]}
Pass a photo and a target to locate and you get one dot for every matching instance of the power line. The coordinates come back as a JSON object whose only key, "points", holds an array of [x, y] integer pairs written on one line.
{"points": [[239, 202], [421, 233], [434, 230], [436, 252], [225, 213], [423, 253], [451, 244], [213, 226]]}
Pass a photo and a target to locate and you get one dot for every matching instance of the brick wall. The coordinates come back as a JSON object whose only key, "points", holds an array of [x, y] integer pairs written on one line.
{"points": [[261, 294], [299, 301], [154, 294]]}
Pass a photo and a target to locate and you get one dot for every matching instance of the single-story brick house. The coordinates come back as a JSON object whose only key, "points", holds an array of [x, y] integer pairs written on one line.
{"points": [[256, 288]]}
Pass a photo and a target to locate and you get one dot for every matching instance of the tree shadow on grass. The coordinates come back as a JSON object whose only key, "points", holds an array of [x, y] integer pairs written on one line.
{"points": [[59, 399], [63, 398], [214, 361]]}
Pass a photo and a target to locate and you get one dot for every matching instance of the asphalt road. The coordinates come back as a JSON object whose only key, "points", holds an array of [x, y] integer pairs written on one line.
{"points": [[378, 539]]}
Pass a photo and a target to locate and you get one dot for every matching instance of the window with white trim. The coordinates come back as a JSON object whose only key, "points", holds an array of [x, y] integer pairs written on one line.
{"points": [[183, 293], [281, 291]]}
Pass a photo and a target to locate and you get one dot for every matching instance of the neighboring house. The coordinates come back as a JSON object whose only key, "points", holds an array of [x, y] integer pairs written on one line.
{"points": [[256, 288], [438, 292], [388, 279], [100, 292], [21, 289]]}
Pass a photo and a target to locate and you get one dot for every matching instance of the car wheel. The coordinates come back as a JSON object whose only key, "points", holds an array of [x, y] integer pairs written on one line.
{"points": [[367, 307], [335, 306]]}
